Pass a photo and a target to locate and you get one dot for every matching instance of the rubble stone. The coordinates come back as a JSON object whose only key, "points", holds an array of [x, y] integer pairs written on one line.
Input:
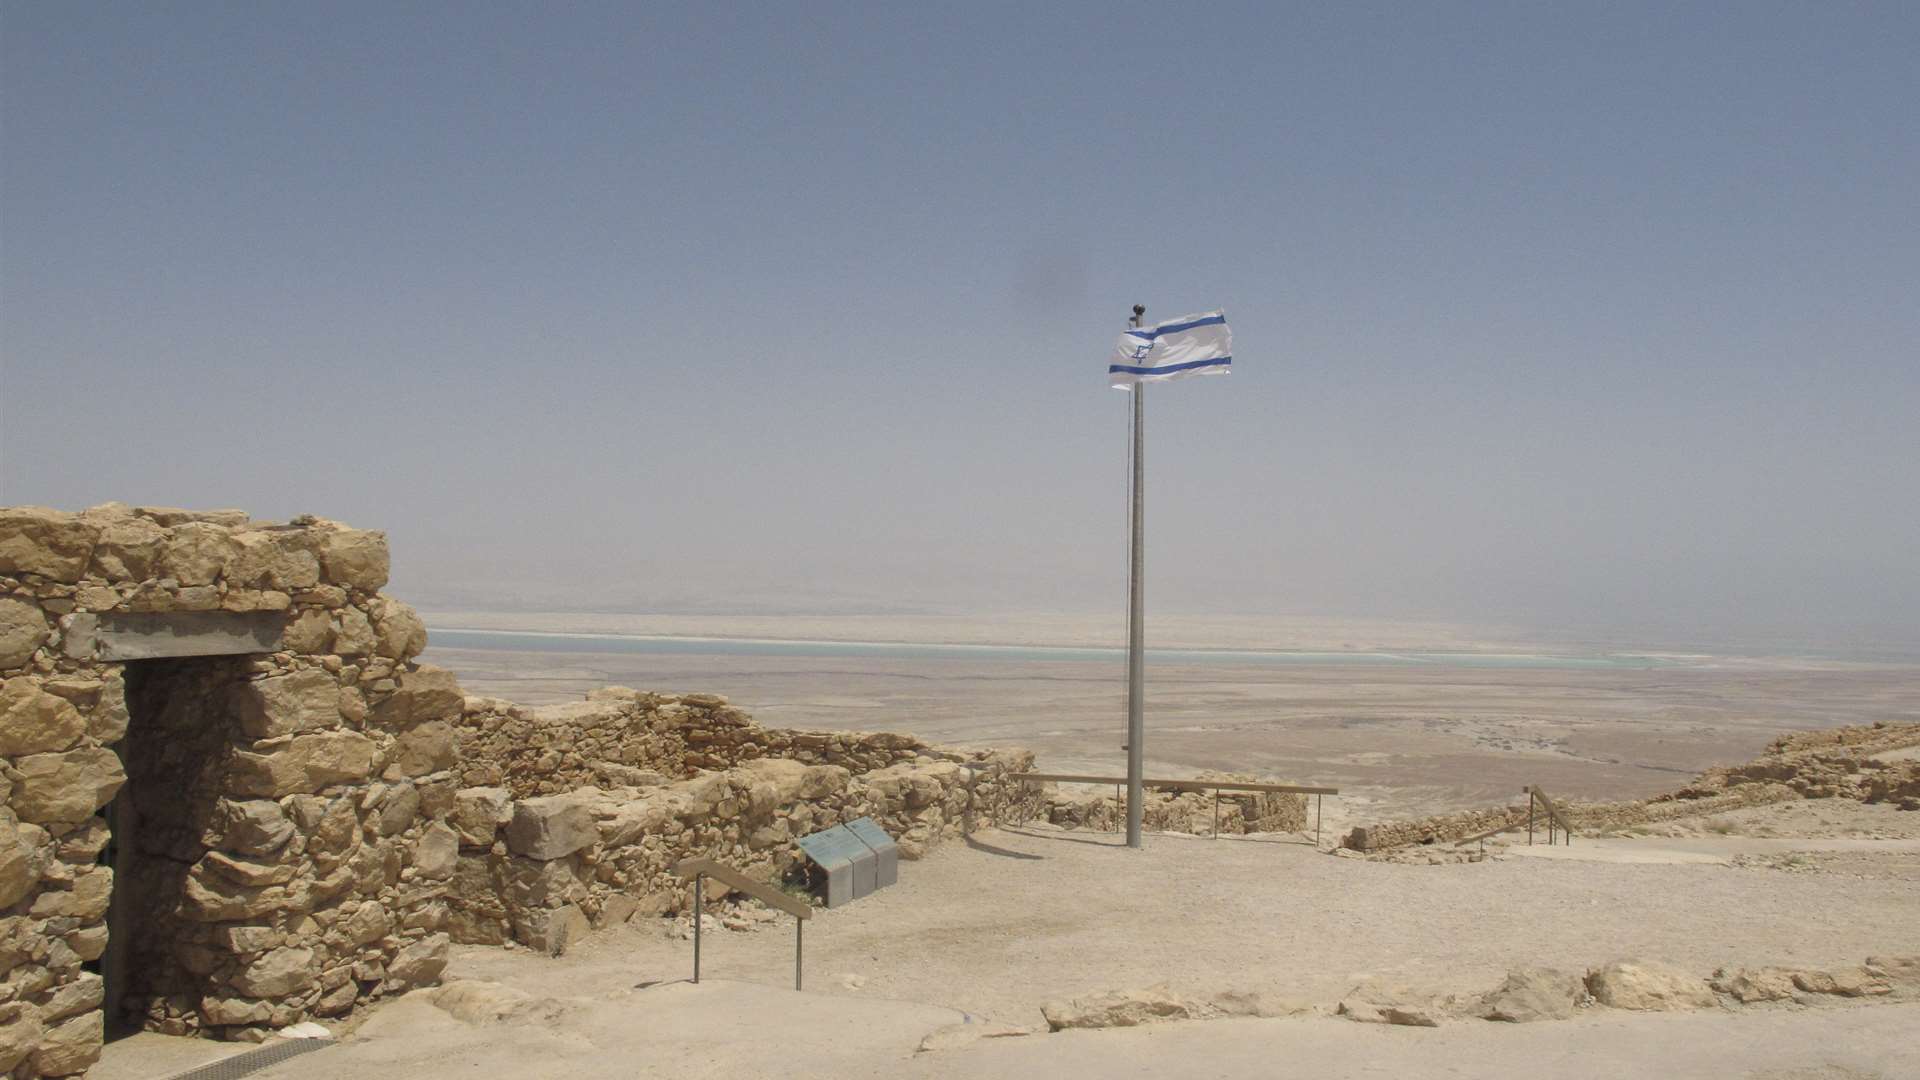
{"points": [[33, 721], [1121, 1008], [1648, 986], [23, 629]]}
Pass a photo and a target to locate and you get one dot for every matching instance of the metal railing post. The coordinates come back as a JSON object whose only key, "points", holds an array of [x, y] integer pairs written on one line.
{"points": [[697, 879], [1216, 813], [1529, 817], [1316, 821], [799, 930]]}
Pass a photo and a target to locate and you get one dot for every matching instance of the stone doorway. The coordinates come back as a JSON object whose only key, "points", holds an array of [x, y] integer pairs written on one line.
{"points": [[181, 733]]}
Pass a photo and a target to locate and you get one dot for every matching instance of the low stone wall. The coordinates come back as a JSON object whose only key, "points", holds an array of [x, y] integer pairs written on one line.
{"points": [[1084, 806], [546, 869], [620, 737], [1836, 763]]}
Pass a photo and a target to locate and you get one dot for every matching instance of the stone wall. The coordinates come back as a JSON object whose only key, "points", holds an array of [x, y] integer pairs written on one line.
{"points": [[543, 870], [278, 835], [1082, 806], [619, 737], [228, 715], [1835, 763]]}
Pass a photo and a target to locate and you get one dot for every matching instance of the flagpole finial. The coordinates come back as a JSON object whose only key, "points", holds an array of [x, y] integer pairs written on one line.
{"points": [[1139, 310]]}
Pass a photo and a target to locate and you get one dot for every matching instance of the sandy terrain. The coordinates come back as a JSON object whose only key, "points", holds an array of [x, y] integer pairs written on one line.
{"points": [[991, 928]]}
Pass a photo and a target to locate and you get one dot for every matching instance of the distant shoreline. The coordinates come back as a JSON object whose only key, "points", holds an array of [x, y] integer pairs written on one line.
{"points": [[724, 644]]}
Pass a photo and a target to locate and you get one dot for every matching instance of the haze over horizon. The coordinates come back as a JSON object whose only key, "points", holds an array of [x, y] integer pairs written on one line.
{"points": [[1594, 321]]}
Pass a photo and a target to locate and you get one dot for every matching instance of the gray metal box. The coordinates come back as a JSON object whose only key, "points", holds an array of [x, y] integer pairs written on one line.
{"points": [[849, 863], [886, 853]]}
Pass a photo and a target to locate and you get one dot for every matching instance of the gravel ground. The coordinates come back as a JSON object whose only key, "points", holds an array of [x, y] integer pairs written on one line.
{"points": [[1019, 916]]}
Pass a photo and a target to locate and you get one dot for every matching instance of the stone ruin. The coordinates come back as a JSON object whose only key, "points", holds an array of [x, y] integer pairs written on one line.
{"points": [[231, 799], [1861, 762]]}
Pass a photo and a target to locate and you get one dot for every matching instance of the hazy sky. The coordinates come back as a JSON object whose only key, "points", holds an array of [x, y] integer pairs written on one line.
{"points": [[1587, 316]]}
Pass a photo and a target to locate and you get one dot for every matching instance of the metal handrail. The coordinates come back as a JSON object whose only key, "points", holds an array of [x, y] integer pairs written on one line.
{"points": [[1534, 794], [701, 869], [1216, 786], [1553, 815]]}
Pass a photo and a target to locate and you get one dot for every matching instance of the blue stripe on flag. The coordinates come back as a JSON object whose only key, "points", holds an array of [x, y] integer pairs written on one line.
{"points": [[1115, 369], [1149, 335]]}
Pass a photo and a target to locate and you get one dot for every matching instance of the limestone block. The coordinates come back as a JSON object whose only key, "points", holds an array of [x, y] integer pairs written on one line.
{"points": [[1373, 1011], [66, 787], [534, 884], [310, 633], [304, 763], [228, 1011], [71, 1047], [437, 852], [210, 897], [400, 633], [1530, 994], [1748, 985], [252, 827], [426, 748], [557, 930], [129, 550], [1848, 982], [356, 558], [249, 939], [88, 943], [334, 828], [51, 543], [286, 704], [85, 901], [369, 923], [273, 559], [615, 910], [246, 871], [551, 826], [23, 629], [425, 694], [197, 553], [420, 963], [474, 1001], [33, 721], [171, 516], [107, 723], [18, 874], [78, 996], [1121, 1008], [353, 633], [20, 1031], [478, 813], [279, 973], [1648, 986], [399, 809], [1899, 970]]}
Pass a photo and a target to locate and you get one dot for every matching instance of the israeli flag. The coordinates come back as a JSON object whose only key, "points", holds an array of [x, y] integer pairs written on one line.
{"points": [[1189, 345]]}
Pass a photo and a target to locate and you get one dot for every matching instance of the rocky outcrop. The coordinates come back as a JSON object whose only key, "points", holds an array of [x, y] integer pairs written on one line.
{"points": [[1123, 1008], [1838, 763], [1531, 994], [1648, 986]]}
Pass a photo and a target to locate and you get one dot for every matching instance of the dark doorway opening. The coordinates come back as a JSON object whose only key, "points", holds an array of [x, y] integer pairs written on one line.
{"points": [[181, 731]]}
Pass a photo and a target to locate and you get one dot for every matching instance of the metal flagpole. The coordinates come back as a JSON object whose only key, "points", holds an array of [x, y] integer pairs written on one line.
{"points": [[1136, 618]]}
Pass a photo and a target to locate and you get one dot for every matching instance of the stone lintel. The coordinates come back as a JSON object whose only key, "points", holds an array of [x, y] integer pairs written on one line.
{"points": [[171, 634]]}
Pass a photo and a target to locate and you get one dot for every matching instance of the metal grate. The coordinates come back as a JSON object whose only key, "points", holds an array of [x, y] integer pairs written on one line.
{"points": [[239, 1065]]}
